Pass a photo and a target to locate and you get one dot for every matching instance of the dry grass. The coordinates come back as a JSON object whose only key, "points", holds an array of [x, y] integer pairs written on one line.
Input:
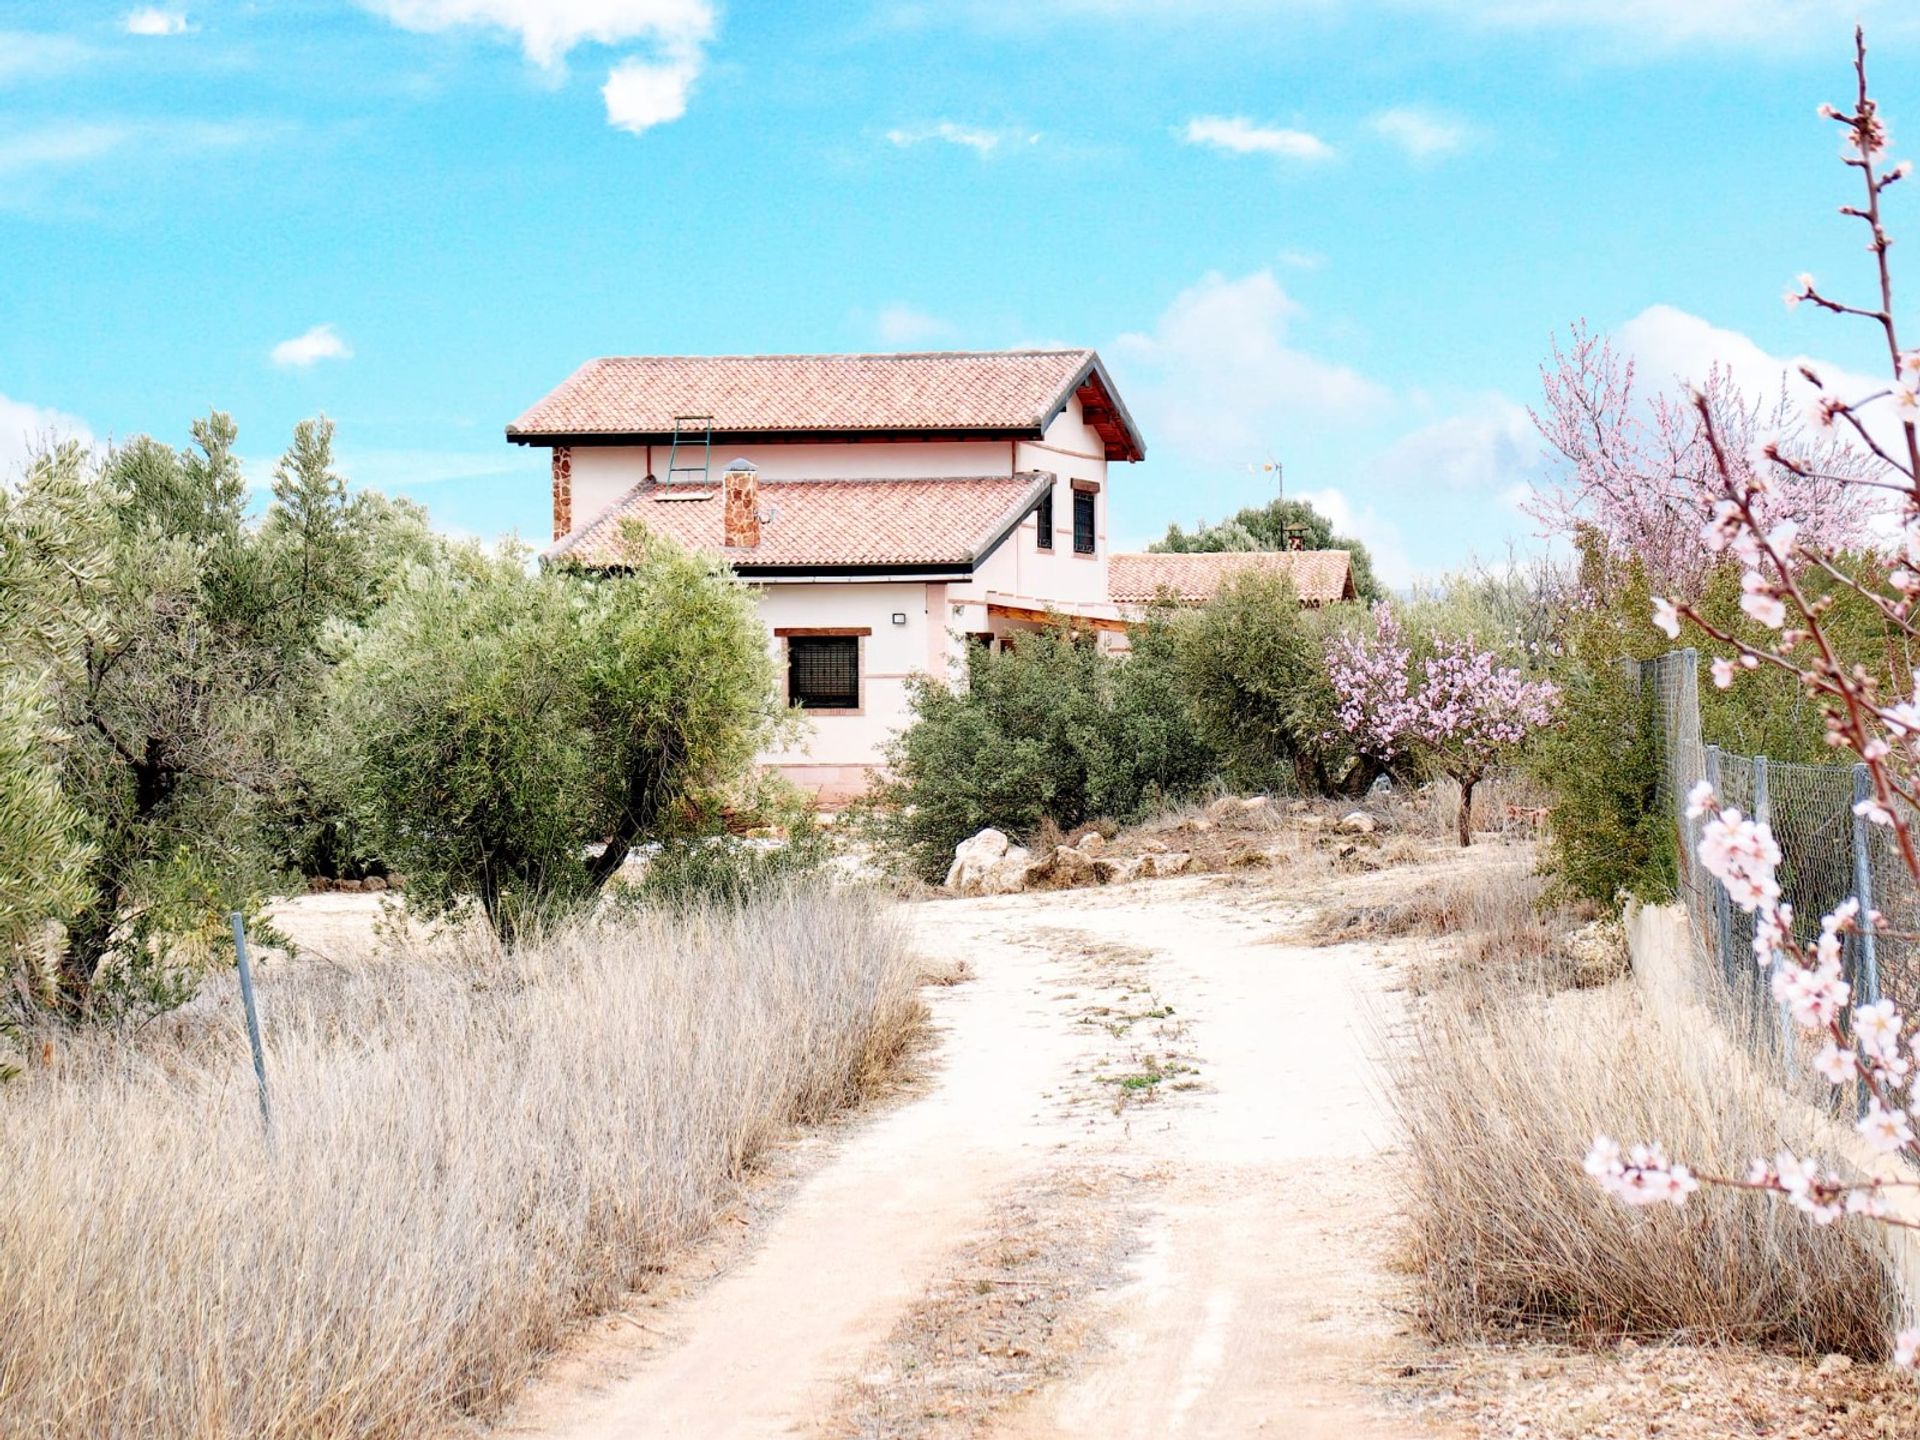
{"points": [[469, 1158], [1499, 1089], [1498, 927]]}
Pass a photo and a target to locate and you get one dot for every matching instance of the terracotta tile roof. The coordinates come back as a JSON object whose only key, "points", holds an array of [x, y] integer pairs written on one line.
{"points": [[998, 392], [1320, 576], [819, 524]]}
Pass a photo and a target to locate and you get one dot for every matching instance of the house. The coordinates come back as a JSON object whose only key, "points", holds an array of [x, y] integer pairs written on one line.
{"points": [[1320, 577], [887, 509]]}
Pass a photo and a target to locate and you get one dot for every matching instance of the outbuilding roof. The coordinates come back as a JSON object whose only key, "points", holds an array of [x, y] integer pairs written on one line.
{"points": [[825, 526], [993, 394], [1320, 577]]}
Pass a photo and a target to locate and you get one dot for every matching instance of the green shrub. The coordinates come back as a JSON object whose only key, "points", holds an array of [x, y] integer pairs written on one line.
{"points": [[727, 870], [1052, 729], [1251, 671]]}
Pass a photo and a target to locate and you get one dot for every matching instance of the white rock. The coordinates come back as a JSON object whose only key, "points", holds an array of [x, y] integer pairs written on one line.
{"points": [[1357, 823], [1008, 874], [973, 858], [1172, 862]]}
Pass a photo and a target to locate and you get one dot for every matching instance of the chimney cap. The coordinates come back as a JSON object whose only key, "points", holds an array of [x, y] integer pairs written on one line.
{"points": [[740, 464]]}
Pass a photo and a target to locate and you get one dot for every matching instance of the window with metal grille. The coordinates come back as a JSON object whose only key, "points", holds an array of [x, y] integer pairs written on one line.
{"points": [[1083, 522], [823, 671], [1043, 521]]}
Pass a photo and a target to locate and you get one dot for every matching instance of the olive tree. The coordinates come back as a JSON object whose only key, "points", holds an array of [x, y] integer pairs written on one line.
{"points": [[173, 643], [510, 733]]}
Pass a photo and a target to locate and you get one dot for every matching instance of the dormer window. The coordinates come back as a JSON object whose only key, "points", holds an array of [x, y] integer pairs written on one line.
{"points": [[1083, 522], [1043, 521]]}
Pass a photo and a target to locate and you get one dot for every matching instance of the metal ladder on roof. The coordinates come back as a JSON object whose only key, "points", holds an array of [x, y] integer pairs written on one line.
{"points": [[693, 431]]}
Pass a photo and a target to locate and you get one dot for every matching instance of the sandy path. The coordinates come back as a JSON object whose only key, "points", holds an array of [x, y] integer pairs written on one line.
{"points": [[1254, 1300]]}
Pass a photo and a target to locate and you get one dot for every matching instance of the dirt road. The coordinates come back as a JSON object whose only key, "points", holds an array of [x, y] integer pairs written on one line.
{"points": [[1141, 1195]]}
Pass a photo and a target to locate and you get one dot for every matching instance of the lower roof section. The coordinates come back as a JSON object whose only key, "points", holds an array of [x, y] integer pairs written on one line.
{"points": [[848, 529]]}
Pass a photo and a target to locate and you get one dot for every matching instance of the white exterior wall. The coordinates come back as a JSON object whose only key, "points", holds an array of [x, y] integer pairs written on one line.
{"points": [[838, 751]]}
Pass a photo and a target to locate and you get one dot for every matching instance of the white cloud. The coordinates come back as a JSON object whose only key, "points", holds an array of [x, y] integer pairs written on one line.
{"points": [[1218, 379], [549, 29], [901, 324], [1671, 22], [1423, 134], [972, 137], [1380, 535], [1241, 136], [1489, 446], [61, 144], [641, 91], [67, 143], [27, 429], [1301, 259], [322, 342], [1640, 25], [29, 55], [1669, 344], [152, 20]]}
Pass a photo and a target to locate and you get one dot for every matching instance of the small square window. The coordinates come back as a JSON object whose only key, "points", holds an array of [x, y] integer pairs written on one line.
{"points": [[823, 671], [1043, 521], [1083, 522]]}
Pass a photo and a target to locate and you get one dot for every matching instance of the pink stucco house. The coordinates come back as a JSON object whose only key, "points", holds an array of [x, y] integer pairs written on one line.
{"points": [[889, 510]]}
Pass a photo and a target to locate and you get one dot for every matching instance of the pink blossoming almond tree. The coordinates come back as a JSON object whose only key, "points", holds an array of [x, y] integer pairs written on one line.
{"points": [[1790, 575], [1466, 711], [1637, 469]]}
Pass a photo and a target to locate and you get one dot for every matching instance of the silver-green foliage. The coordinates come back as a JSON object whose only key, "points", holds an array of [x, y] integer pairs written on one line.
{"points": [[498, 722], [170, 645]]}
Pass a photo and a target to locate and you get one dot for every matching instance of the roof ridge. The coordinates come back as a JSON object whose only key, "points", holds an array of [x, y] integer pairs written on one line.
{"points": [[860, 354]]}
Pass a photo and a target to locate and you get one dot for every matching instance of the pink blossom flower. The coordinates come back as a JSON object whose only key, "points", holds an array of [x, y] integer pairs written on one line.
{"points": [[1666, 618], [1874, 811], [1722, 673], [1906, 1349], [1876, 1027], [1835, 1065], [1758, 599], [1885, 1130], [1643, 1176], [1812, 997], [1700, 799], [1742, 855]]}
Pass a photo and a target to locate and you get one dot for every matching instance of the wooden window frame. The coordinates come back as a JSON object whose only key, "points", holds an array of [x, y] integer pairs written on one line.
{"points": [[859, 634], [1093, 522]]}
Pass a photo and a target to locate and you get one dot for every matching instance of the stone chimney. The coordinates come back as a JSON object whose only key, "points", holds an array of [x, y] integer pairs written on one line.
{"points": [[740, 521], [562, 491]]}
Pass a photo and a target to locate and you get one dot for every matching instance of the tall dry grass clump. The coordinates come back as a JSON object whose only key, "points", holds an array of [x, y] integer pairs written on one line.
{"points": [[468, 1158], [1500, 1089]]}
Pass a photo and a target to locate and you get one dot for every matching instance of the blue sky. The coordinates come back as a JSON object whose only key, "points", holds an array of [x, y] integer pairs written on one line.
{"points": [[1336, 233]]}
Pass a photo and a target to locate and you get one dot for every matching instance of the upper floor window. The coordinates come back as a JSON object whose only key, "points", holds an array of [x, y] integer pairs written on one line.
{"points": [[1043, 521], [1083, 522], [823, 671]]}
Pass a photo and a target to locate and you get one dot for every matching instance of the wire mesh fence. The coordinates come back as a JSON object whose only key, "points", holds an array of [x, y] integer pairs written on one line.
{"points": [[1827, 854]]}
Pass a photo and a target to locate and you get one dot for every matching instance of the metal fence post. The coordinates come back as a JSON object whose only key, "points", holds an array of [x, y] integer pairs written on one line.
{"points": [[1763, 812], [253, 1017], [1722, 904], [1866, 980]]}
